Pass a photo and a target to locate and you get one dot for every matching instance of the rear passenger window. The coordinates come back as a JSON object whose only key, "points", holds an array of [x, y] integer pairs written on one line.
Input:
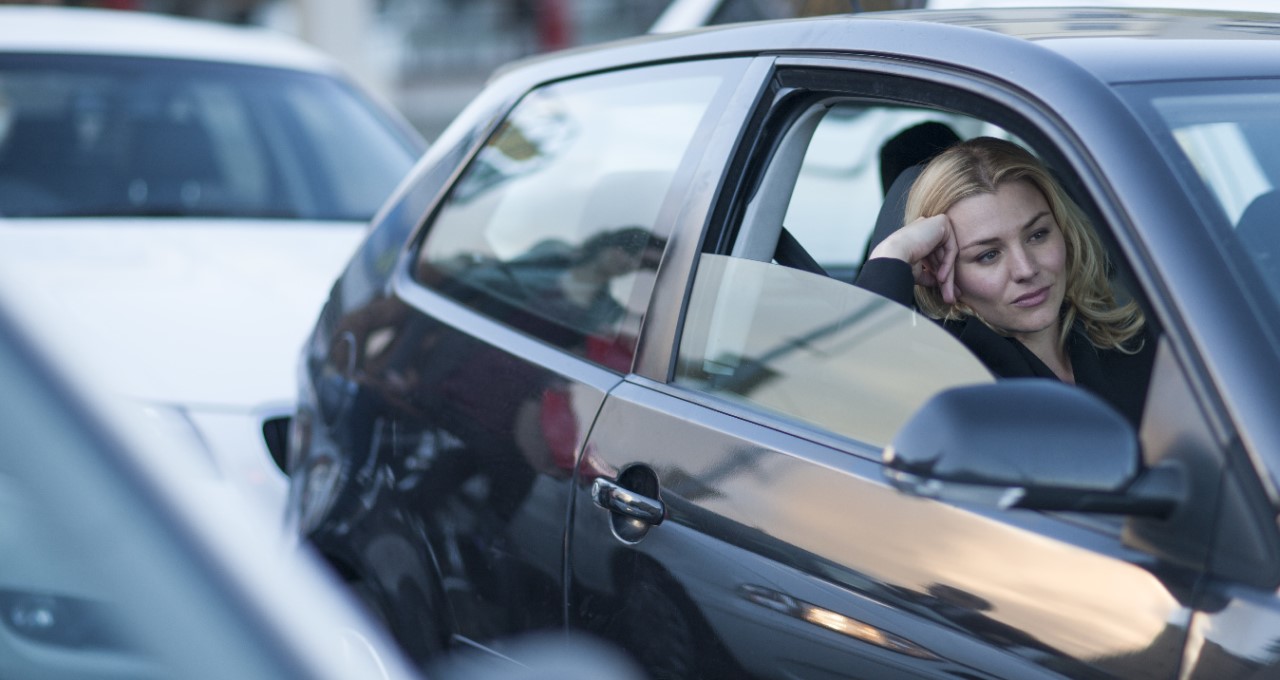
{"points": [[554, 227]]}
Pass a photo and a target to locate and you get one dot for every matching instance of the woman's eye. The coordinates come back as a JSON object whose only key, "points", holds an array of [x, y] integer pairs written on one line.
{"points": [[986, 256], [1039, 235]]}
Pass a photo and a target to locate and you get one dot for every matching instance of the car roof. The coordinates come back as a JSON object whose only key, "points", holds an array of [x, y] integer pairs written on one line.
{"points": [[88, 31], [1136, 44], [1114, 44]]}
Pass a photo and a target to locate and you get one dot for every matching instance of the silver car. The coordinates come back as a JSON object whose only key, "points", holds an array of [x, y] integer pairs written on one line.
{"points": [[181, 194]]}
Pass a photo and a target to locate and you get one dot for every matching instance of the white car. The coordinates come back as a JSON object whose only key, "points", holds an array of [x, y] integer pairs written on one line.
{"points": [[180, 195]]}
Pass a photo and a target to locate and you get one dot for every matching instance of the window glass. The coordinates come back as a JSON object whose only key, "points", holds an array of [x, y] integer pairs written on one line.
{"points": [[1227, 146], [815, 349], [553, 227]]}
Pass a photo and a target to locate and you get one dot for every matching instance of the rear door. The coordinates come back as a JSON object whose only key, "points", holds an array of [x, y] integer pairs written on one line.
{"points": [[731, 518], [483, 366]]}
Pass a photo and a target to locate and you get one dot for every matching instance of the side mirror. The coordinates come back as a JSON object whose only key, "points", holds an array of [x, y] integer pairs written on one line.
{"points": [[1029, 443]]}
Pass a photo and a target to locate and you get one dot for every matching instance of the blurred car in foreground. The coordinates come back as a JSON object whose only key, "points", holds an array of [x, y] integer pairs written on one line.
{"points": [[187, 192], [618, 379], [123, 559]]}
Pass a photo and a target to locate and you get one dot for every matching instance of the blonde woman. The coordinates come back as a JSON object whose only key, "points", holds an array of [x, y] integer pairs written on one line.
{"points": [[995, 250]]}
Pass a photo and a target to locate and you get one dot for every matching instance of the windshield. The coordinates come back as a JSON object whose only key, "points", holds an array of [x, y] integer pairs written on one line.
{"points": [[91, 136], [1226, 142]]}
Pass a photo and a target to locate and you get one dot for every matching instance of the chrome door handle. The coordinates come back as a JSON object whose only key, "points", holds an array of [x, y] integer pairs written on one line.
{"points": [[614, 498]]}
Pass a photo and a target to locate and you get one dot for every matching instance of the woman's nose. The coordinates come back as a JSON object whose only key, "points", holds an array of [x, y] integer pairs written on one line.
{"points": [[1023, 264]]}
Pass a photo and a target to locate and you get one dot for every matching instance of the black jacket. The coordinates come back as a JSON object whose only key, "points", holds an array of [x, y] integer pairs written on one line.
{"points": [[1120, 379]]}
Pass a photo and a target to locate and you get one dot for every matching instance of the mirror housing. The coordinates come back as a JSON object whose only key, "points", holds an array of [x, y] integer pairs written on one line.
{"points": [[1029, 443]]}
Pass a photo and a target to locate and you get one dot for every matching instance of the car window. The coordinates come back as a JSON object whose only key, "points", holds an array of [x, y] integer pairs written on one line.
{"points": [[815, 349], [842, 178], [1226, 135], [553, 228], [88, 136], [805, 344]]}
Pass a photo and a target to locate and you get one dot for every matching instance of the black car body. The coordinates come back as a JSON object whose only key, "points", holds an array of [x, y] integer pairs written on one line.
{"points": [[692, 460]]}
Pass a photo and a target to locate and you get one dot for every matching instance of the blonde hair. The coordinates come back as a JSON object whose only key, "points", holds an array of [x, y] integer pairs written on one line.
{"points": [[979, 166]]}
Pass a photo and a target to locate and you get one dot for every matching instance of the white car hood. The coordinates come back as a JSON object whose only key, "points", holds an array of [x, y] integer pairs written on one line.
{"points": [[201, 313]]}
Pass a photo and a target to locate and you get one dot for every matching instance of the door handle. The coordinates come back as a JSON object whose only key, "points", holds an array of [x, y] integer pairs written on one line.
{"points": [[614, 498]]}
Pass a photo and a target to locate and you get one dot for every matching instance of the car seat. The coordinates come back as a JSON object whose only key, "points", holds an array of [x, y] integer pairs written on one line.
{"points": [[1257, 231], [902, 158]]}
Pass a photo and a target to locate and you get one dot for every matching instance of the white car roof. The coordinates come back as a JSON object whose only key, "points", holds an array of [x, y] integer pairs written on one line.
{"points": [[75, 30]]}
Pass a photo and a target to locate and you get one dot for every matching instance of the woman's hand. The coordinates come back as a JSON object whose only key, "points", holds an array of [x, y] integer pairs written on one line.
{"points": [[929, 246]]}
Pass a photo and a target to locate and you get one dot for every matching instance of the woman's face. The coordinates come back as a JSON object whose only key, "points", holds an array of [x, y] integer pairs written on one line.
{"points": [[1011, 263]]}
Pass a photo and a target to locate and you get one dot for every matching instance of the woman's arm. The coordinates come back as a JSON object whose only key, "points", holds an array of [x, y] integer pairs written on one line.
{"points": [[928, 246]]}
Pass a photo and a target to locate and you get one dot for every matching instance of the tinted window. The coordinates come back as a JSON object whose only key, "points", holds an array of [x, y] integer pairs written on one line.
{"points": [[98, 136], [1226, 142], [553, 227]]}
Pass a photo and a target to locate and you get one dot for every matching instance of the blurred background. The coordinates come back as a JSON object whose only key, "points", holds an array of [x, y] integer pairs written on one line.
{"points": [[428, 58]]}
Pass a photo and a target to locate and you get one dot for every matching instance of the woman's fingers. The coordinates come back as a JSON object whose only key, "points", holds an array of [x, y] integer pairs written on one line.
{"points": [[947, 268], [940, 261], [929, 245]]}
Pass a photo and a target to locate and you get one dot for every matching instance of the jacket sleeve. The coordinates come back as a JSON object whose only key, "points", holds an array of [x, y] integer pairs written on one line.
{"points": [[890, 278]]}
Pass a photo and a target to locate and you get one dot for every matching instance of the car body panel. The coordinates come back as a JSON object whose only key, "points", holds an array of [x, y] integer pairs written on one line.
{"points": [[187, 317], [118, 276], [874, 584]]}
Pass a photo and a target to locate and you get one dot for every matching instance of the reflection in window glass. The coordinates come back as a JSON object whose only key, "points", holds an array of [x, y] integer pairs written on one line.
{"points": [[1221, 156], [553, 227], [815, 349], [1227, 136]]}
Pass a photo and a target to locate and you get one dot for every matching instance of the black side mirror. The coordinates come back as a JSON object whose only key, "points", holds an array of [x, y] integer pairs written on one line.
{"points": [[1029, 443]]}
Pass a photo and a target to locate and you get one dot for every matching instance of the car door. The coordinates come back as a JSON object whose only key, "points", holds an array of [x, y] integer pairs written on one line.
{"points": [[732, 516], [466, 385]]}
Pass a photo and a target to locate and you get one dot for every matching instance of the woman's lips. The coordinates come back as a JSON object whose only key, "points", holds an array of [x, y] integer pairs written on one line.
{"points": [[1032, 299]]}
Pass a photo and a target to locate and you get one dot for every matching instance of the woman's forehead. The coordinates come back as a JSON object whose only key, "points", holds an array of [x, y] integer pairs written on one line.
{"points": [[1013, 207]]}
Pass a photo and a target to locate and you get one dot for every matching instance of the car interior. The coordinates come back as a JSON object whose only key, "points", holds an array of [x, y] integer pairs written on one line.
{"points": [[896, 141]]}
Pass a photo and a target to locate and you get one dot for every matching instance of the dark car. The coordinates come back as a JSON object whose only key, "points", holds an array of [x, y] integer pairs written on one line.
{"points": [[600, 364]]}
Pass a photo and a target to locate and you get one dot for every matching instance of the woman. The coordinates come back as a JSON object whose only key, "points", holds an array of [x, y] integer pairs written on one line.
{"points": [[997, 252]]}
